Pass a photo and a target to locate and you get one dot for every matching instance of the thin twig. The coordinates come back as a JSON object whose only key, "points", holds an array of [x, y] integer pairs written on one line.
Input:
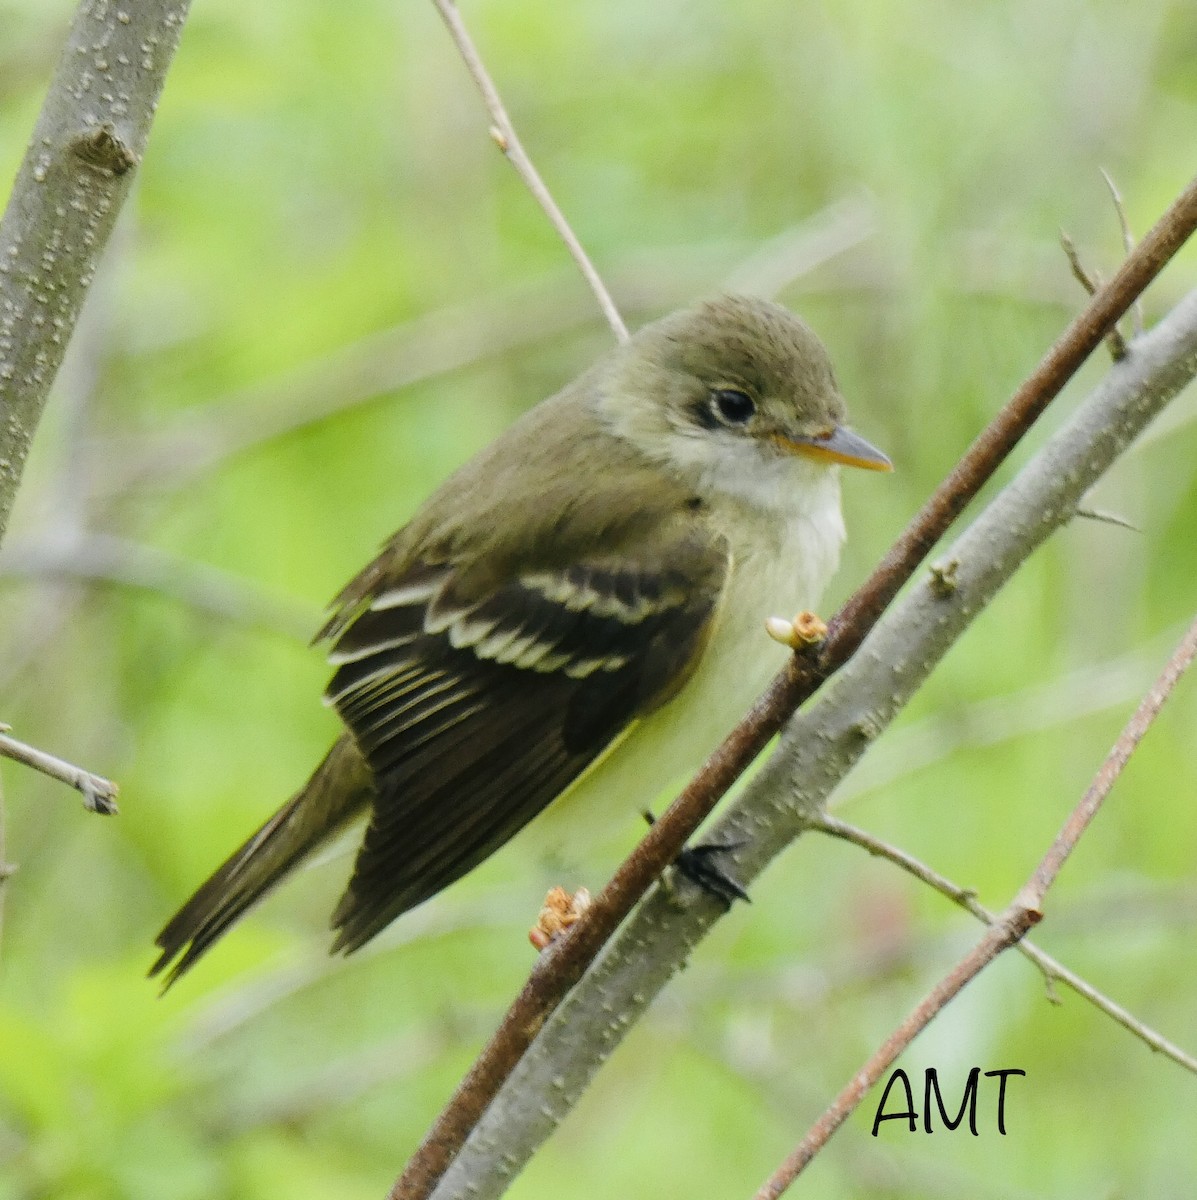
{"points": [[1092, 284], [1124, 747], [1024, 911], [99, 794], [1128, 238], [1007, 931], [109, 558], [507, 140], [559, 968], [1053, 970], [448, 339], [1106, 518], [816, 750]]}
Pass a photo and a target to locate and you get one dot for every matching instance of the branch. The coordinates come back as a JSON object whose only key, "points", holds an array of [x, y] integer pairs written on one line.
{"points": [[1089, 804], [506, 139], [817, 749], [107, 558], [806, 246], [1024, 911], [1115, 342], [559, 968], [1053, 970], [78, 169], [99, 794], [1004, 933], [1092, 688], [436, 343], [450, 339]]}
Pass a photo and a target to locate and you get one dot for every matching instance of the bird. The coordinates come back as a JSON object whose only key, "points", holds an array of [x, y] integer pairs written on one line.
{"points": [[578, 609]]}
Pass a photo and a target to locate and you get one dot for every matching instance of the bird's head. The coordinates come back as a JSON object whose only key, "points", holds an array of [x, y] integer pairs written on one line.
{"points": [[731, 390]]}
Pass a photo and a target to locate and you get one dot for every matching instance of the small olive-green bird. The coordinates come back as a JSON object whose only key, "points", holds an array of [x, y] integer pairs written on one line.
{"points": [[580, 608]]}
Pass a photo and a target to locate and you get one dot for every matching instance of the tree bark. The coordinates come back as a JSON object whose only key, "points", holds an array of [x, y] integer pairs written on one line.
{"points": [[77, 171], [818, 748]]}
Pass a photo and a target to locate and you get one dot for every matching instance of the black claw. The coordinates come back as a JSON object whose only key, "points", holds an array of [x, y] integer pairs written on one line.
{"points": [[697, 864]]}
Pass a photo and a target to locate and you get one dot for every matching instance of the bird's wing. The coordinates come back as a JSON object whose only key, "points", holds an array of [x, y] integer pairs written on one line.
{"points": [[477, 706]]}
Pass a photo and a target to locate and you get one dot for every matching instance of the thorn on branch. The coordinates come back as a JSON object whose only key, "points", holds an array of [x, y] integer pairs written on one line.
{"points": [[1128, 239], [1091, 283], [1107, 518]]}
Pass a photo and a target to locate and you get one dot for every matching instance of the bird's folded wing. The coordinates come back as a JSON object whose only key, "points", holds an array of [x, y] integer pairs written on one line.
{"points": [[476, 707]]}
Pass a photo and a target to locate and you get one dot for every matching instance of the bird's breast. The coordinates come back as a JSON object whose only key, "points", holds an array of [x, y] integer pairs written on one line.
{"points": [[780, 567]]}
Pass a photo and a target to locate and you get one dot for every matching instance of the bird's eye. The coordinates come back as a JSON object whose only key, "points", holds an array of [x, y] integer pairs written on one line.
{"points": [[732, 406]]}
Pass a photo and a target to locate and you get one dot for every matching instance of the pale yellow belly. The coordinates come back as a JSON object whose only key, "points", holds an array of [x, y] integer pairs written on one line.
{"points": [[665, 748]]}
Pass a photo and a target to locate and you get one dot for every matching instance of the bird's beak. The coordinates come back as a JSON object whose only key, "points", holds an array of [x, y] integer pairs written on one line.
{"points": [[839, 446]]}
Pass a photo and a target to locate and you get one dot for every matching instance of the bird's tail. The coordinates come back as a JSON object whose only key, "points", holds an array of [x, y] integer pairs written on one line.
{"points": [[340, 787]]}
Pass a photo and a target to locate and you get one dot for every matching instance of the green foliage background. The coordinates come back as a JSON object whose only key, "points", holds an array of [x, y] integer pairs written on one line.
{"points": [[320, 175]]}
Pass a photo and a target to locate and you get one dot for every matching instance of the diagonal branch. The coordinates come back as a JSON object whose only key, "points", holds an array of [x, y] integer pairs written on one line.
{"points": [[108, 558], [76, 174], [99, 794], [507, 140], [1053, 970], [817, 749], [560, 967], [1024, 911]]}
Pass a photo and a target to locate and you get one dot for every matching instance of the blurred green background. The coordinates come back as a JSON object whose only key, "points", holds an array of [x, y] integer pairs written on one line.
{"points": [[329, 289]]}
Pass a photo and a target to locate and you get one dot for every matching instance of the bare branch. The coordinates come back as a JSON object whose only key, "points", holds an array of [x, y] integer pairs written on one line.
{"points": [[559, 968], [1092, 284], [1025, 911], [1124, 747], [68, 192], [817, 749], [1005, 932], [106, 558], [1128, 238], [99, 794], [506, 139], [1053, 970]]}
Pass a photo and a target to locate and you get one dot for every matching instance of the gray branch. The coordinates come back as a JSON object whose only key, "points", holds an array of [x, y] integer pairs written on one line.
{"points": [[99, 794], [818, 748], [106, 558], [77, 171]]}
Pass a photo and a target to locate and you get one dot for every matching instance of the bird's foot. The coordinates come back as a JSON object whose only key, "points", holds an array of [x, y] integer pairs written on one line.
{"points": [[698, 864], [806, 629], [559, 912]]}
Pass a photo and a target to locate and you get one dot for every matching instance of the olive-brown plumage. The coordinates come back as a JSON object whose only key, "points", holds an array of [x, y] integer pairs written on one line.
{"points": [[547, 613]]}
